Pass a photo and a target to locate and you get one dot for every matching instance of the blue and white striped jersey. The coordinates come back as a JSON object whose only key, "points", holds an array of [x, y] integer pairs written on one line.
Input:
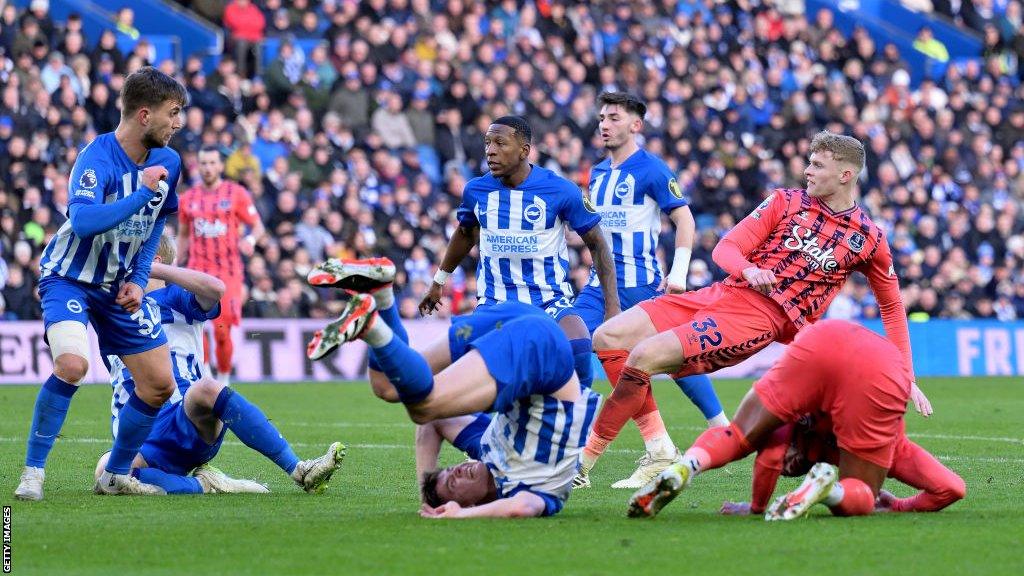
{"points": [[182, 319], [102, 174], [629, 198], [536, 444], [523, 254]]}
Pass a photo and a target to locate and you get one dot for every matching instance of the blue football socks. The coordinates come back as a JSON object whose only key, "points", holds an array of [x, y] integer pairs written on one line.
{"points": [[133, 426], [700, 391], [51, 409], [251, 426], [171, 483]]}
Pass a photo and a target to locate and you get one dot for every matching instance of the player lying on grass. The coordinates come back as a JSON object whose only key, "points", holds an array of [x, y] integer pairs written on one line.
{"points": [[794, 448], [190, 428], [786, 261], [511, 359], [862, 385]]}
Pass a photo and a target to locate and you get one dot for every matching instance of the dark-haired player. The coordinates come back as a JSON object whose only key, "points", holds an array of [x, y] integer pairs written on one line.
{"points": [[630, 189], [122, 188], [519, 212], [511, 359], [786, 261], [211, 218]]}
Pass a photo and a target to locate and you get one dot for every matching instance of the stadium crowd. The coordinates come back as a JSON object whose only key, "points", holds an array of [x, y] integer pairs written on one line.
{"points": [[357, 137]]}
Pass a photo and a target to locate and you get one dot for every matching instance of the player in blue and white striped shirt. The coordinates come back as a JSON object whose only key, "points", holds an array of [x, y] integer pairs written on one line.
{"points": [[190, 428], [511, 359], [519, 212], [630, 189], [122, 189]]}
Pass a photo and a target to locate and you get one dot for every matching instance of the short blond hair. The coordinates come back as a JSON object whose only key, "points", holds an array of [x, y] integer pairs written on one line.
{"points": [[168, 248], [843, 148]]}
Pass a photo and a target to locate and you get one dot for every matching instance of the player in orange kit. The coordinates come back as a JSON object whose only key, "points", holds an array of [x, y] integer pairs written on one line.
{"points": [[210, 220], [794, 448], [786, 262], [842, 369]]}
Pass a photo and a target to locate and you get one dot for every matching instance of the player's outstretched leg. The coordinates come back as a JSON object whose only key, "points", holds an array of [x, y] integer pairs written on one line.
{"points": [[371, 275], [209, 399], [407, 370]]}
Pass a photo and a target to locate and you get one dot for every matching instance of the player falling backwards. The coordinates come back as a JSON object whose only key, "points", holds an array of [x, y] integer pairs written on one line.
{"points": [[211, 216], [509, 358], [862, 386], [630, 189], [190, 428], [122, 189], [786, 262], [794, 448], [519, 211]]}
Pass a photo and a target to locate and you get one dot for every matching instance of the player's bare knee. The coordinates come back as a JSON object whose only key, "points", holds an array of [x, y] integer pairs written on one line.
{"points": [[616, 334], [70, 368], [643, 356], [573, 327], [204, 393]]}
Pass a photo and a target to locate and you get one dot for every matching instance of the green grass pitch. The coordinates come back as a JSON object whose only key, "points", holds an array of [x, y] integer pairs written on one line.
{"points": [[367, 523]]}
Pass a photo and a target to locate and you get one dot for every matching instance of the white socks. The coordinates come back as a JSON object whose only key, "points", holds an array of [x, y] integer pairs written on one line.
{"points": [[384, 298], [719, 420], [660, 448], [835, 495], [379, 334]]}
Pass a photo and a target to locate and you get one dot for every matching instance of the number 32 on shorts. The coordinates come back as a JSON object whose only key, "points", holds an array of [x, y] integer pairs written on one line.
{"points": [[706, 335]]}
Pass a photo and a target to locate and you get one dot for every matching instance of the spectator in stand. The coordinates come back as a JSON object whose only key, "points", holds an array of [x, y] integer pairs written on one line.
{"points": [[125, 23], [245, 25], [379, 157], [926, 43]]}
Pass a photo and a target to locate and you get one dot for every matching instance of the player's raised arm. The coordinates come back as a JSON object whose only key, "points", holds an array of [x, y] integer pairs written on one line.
{"points": [[90, 216], [207, 289], [731, 251], [885, 285]]}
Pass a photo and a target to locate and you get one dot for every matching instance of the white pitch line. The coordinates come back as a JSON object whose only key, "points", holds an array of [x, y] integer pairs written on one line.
{"points": [[411, 426], [955, 437], [108, 441]]}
